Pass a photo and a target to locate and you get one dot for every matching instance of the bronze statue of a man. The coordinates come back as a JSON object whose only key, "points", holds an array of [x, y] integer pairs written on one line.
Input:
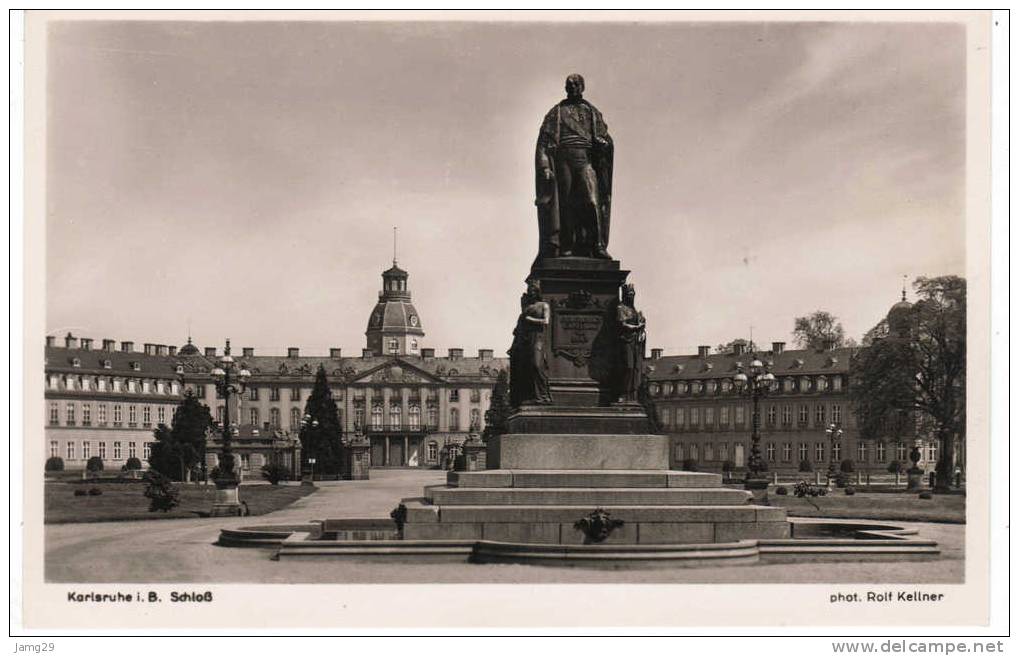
{"points": [[632, 337], [529, 352], [573, 171]]}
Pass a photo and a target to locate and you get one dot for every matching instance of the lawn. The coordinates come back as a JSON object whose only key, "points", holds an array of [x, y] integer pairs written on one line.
{"points": [[126, 501], [900, 506]]}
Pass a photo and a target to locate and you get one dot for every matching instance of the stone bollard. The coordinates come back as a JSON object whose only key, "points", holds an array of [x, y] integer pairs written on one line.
{"points": [[774, 478], [817, 478], [898, 478]]}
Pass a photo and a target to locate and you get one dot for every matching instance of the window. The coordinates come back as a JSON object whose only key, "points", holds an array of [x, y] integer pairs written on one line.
{"points": [[787, 415], [132, 386], [454, 419], [69, 414], [245, 461], [86, 450], [253, 415], [787, 452], [822, 384], [803, 451], [709, 451], [86, 384], [118, 414], [117, 454], [804, 414], [433, 452], [274, 417], [274, 394], [146, 415], [394, 345], [147, 450], [54, 382], [880, 451], [836, 383], [102, 450], [295, 418], [101, 414], [900, 451], [723, 451], [395, 417], [836, 413], [695, 416], [132, 449], [723, 415], [377, 417], [679, 452], [69, 383], [680, 417], [770, 450], [653, 388], [161, 414], [414, 417], [475, 395], [709, 416], [836, 452], [160, 387], [295, 394], [358, 418], [804, 384], [146, 386], [132, 415], [54, 413], [693, 452], [86, 414], [70, 450], [102, 385], [771, 415], [712, 388], [475, 419], [454, 395], [819, 452], [200, 391], [932, 452], [433, 418], [117, 385], [665, 417], [253, 393], [54, 449], [819, 415], [739, 414]]}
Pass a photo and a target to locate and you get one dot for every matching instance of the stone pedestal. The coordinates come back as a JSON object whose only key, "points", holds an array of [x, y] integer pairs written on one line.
{"points": [[228, 503], [355, 460], [474, 455]]}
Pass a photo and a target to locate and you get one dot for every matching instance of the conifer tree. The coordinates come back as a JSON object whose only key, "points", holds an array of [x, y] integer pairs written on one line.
{"points": [[320, 430], [180, 447]]}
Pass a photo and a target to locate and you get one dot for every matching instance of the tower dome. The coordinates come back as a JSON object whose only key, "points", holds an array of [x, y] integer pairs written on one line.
{"points": [[394, 326], [900, 318]]}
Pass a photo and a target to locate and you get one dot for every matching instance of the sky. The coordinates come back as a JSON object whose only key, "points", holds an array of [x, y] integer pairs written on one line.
{"points": [[243, 179]]}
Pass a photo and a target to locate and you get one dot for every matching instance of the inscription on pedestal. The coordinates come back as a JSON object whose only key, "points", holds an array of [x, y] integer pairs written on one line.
{"points": [[573, 334]]}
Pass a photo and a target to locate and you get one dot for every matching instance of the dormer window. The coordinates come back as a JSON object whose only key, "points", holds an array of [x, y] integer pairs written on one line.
{"points": [[667, 389], [822, 384], [136, 366], [726, 385], [804, 384], [797, 363], [712, 387], [75, 362], [789, 384], [678, 368], [179, 368], [654, 389], [832, 360], [708, 366]]}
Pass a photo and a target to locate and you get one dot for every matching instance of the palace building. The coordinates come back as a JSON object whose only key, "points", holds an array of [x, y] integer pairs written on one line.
{"points": [[411, 404]]}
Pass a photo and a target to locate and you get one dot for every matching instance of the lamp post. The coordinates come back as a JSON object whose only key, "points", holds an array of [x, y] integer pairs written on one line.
{"points": [[308, 422], [834, 433], [230, 380], [754, 382]]}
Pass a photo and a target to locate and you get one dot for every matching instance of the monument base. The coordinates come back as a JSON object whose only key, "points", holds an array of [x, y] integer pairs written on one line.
{"points": [[566, 451]]}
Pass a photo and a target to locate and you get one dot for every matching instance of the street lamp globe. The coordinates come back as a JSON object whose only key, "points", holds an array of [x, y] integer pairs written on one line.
{"points": [[218, 372], [244, 374]]}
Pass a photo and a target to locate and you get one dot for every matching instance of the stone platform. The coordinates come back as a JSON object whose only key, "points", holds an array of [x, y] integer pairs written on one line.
{"points": [[543, 507]]}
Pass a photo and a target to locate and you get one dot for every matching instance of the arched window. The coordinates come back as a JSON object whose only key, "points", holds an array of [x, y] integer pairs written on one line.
{"points": [[295, 418], [274, 417], [395, 420], [454, 419], [414, 417], [377, 417]]}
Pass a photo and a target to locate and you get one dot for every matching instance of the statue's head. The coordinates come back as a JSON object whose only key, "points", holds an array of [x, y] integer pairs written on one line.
{"points": [[575, 86], [534, 290], [628, 294]]}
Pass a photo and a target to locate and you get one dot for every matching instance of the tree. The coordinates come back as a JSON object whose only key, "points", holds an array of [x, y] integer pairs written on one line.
{"points": [[55, 463], [132, 463], [499, 408], [915, 376], [817, 330], [94, 465], [181, 447], [320, 431], [275, 472]]}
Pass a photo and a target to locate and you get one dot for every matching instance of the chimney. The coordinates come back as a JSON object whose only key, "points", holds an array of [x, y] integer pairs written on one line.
{"points": [[656, 353], [484, 354], [127, 347], [335, 352], [829, 344], [86, 343], [427, 353], [702, 351], [739, 348], [366, 353], [71, 341], [456, 353], [248, 352], [293, 352], [110, 345], [777, 347], [51, 340], [210, 351], [171, 350], [150, 349]]}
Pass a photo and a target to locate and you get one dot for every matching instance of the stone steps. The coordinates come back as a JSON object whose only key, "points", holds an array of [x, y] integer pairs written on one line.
{"points": [[581, 478], [419, 511], [593, 496]]}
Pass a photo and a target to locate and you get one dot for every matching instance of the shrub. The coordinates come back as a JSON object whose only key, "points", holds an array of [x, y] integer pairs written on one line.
{"points": [[781, 491], [94, 492], [805, 489], [806, 466], [161, 492], [850, 490], [841, 480], [926, 495], [728, 466], [56, 463], [895, 467], [847, 466], [690, 465], [80, 492], [275, 472], [94, 464], [132, 463]]}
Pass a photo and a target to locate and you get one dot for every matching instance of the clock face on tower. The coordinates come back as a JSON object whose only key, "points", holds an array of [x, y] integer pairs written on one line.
{"points": [[413, 320]]}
